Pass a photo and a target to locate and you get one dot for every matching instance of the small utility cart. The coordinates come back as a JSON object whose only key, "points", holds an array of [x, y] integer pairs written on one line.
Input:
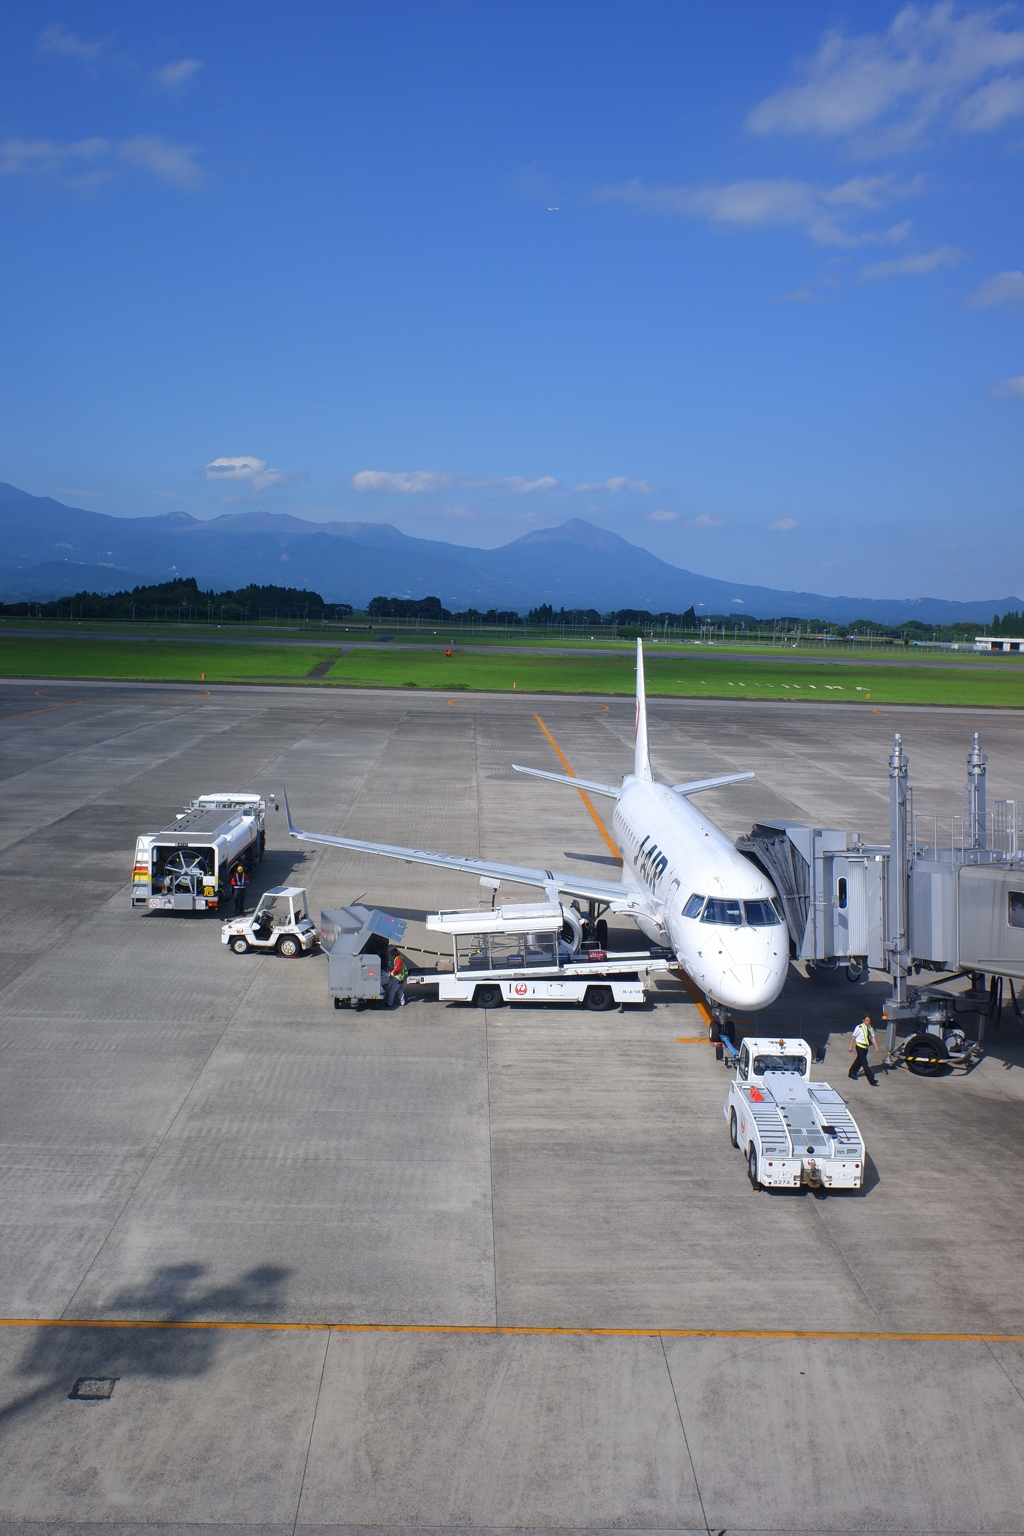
{"points": [[523, 953], [280, 922], [791, 1131]]}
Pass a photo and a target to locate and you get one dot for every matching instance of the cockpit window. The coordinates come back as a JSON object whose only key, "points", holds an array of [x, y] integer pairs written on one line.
{"points": [[760, 914], [693, 906], [727, 914], [763, 1064], [737, 914]]}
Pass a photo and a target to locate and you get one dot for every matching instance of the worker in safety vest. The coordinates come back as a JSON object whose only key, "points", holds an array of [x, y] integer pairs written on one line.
{"points": [[396, 980], [239, 881], [862, 1041]]}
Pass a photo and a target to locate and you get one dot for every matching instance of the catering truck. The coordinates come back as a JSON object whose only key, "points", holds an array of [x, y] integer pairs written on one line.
{"points": [[186, 867]]}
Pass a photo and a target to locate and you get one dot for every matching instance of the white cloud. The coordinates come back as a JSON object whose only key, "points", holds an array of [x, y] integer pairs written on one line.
{"points": [[255, 473], [619, 483], [662, 517], [68, 45], [913, 266], [931, 62], [173, 163], [91, 161], [706, 521], [1009, 389], [804, 295], [783, 525], [1004, 288], [177, 73], [420, 481], [405, 482], [822, 212]]}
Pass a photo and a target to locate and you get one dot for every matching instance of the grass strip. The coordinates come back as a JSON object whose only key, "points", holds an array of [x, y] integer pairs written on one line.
{"points": [[162, 661], [699, 676]]}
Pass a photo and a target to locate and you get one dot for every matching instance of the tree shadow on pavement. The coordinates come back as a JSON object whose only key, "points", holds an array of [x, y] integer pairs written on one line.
{"points": [[60, 1354]]}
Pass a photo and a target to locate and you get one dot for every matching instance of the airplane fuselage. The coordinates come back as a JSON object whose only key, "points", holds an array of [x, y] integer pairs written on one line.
{"points": [[735, 947]]}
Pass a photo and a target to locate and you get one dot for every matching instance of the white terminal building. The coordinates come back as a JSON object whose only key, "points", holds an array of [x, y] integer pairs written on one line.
{"points": [[986, 643]]}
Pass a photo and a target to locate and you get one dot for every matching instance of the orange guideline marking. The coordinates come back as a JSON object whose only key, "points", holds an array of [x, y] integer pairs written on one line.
{"points": [[581, 792], [490, 1329], [64, 704]]}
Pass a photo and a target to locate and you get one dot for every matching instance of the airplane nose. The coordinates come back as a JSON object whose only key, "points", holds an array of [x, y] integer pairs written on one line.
{"points": [[752, 985]]}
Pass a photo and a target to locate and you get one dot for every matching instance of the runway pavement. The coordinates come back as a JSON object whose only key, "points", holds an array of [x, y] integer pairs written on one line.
{"points": [[444, 1268]]}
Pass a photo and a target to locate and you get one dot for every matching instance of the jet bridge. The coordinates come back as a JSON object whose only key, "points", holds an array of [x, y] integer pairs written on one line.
{"points": [[944, 896]]}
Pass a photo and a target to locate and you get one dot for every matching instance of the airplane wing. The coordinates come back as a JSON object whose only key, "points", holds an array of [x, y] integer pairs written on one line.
{"points": [[623, 898]]}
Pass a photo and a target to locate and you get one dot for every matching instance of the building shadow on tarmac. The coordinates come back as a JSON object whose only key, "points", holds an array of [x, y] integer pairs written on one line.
{"points": [[174, 1294]]}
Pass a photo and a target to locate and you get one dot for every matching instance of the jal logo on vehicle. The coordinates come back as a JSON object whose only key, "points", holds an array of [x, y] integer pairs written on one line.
{"points": [[521, 989]]}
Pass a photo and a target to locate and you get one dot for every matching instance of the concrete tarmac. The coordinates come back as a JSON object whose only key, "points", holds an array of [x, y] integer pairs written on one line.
{"points": [[446, 1268]]}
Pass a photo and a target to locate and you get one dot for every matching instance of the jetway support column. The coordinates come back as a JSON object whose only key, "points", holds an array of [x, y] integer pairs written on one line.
{"points": [[897, 940], [977, 822]]}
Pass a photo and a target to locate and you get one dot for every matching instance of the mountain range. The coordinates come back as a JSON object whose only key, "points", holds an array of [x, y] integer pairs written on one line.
{"points": [[51, 550]]}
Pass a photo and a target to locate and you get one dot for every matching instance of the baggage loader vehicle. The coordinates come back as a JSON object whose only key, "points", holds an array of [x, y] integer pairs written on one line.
{"points": [[531, 952], [187, 866], [792, 1132]]}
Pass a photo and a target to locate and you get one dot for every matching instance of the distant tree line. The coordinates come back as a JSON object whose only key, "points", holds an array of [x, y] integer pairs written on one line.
{"points": [[182, 600]]}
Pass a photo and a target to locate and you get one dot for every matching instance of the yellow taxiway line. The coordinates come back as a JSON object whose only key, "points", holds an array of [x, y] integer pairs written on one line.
{"points": [[581, 792], [489, 1330]]}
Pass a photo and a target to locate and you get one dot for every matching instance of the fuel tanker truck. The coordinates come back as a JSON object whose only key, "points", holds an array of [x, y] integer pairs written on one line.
{"points": [[186, 867]]}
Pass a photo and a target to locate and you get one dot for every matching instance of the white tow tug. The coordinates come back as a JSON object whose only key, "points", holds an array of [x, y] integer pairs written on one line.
{"points": [[791, 1131], [280, 922]]}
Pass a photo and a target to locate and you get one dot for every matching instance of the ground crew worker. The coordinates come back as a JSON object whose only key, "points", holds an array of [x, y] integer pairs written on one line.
{"points": [[239, 881], [396, 980], [862, 1041]]}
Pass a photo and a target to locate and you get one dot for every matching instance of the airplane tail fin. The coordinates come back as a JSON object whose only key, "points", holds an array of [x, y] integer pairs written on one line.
{"points": [[641, 756]]}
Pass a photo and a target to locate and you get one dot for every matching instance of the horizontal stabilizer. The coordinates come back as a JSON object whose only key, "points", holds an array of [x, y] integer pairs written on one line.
{"points": [[574, 783], [695, 785]]}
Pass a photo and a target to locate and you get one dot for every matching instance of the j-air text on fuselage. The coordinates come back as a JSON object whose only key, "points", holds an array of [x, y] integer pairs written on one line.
{"points": [[683, 882]]}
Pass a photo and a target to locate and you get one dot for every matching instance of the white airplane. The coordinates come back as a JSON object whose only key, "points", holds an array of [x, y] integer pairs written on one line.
{"points": [[683, 882]]}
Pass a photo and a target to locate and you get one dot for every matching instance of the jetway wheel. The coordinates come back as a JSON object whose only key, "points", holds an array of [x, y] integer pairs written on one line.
{"points": [[925, 1055]]}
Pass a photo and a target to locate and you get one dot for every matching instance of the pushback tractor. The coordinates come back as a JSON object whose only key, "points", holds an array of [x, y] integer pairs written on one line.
{"points": [[791, 1131]]}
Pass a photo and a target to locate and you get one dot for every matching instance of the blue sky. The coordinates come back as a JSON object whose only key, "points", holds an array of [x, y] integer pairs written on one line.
{"points": [[743, 283]]}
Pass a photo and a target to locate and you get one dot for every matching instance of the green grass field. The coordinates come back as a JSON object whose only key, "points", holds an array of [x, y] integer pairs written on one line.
{"points": [[702, 675], [163, 661]]}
